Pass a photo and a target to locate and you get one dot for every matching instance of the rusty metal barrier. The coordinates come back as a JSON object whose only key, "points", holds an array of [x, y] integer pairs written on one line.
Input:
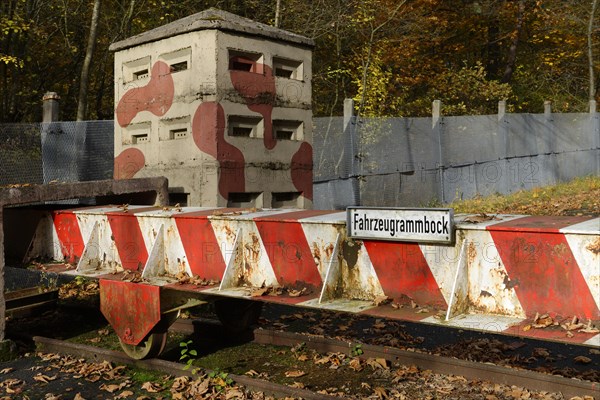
{"points": [[510, 274]]}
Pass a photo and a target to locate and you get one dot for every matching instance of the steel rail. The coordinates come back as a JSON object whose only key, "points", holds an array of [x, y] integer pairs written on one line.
{"points": [[439, 364], [171, 368]]}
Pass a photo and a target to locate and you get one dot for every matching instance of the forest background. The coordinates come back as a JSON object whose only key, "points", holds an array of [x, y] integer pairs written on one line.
{"points": [[394, 57]]}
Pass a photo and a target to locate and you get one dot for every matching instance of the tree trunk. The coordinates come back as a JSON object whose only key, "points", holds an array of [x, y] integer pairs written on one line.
{"points": [[590, 31], [87, 62], [277, 13], [512, 52]]}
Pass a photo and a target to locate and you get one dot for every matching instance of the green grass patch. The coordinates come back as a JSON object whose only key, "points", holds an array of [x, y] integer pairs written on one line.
{"points": [[580, 196]]}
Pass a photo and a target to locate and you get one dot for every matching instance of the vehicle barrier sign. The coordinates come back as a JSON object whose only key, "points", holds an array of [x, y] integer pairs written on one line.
{"points": [[428, 225]]}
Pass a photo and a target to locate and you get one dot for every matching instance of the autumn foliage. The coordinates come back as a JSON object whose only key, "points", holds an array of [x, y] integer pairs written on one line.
{"points": [[393, 57]]}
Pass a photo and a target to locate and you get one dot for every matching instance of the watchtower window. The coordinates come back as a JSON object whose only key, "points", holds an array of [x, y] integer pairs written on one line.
{"points": [[288, 130], [141, 74], [244, 200], [178, 60], [290, 69], [245, 61], [180, 66], [284, 199], [136, 69], [243, 126]]}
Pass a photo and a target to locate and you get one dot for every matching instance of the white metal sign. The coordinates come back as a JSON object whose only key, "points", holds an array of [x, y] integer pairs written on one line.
{"points": [[428, 225]]}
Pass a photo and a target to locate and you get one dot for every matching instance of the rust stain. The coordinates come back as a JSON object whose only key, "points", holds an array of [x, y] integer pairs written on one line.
{"points": [[350, 249], [594, 247], [471, 253], [316, 252], [508, 284], [559, 249]]}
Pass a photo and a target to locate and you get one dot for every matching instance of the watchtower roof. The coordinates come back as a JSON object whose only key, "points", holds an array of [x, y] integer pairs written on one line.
{"points": [[213, 18]]}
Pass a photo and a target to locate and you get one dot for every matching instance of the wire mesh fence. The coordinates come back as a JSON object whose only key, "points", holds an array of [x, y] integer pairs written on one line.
{"points": [[56, 152]]}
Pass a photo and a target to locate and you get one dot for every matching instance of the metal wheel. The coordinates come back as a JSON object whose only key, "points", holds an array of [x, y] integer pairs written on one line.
{"points": [[150, 347], [237, 315]]}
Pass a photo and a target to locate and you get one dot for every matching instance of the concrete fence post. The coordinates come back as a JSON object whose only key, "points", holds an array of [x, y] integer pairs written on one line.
{"points": [[436, 128], [504, 151], [351, 150], [548, 109], [549, 171], [51, 107], [595, 131]]}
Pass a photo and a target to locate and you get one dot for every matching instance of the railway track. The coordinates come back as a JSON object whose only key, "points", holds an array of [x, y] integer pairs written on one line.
{"points": [[473, 371]]}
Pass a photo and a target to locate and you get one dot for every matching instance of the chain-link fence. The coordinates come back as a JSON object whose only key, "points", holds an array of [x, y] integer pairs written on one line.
{"points": [[56, 152]]}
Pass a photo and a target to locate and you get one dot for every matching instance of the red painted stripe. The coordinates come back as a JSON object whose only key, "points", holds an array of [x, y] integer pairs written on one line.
{"points": [[546, 274], [289, 252], [69, 235], [201, 247], [128, 238], [403, 272], [537, 224]]}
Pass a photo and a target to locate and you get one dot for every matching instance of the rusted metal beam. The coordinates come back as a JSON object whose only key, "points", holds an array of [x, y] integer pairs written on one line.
{"points": [[27, 194]]}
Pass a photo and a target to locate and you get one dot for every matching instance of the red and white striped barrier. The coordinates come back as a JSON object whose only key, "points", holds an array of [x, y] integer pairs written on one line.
{"points": [[498, 275]]}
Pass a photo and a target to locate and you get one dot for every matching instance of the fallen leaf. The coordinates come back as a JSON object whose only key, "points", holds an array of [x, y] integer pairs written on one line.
{"points": [[152, 387], [294, 374], [6, 370], [124, 394], [298, 385], [378, 363], [380, 392], [78, 396], [111, 388], [582, 360], [380, 300], [259, 292], [234, 393], [355, 364], [44, 378], [251, 373]]}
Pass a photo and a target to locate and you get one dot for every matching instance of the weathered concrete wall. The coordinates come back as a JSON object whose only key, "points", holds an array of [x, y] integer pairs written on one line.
{"points": [[420, 161]]}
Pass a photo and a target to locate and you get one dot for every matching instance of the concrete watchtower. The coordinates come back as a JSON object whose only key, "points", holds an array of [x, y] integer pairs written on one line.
{"points": [[221, 106]]}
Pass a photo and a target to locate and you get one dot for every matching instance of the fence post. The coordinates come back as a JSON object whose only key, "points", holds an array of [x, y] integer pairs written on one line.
{"points": [[595, 131], [504, 140], [351, 150], [51, 107], [436, 128], [548, 109]]}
